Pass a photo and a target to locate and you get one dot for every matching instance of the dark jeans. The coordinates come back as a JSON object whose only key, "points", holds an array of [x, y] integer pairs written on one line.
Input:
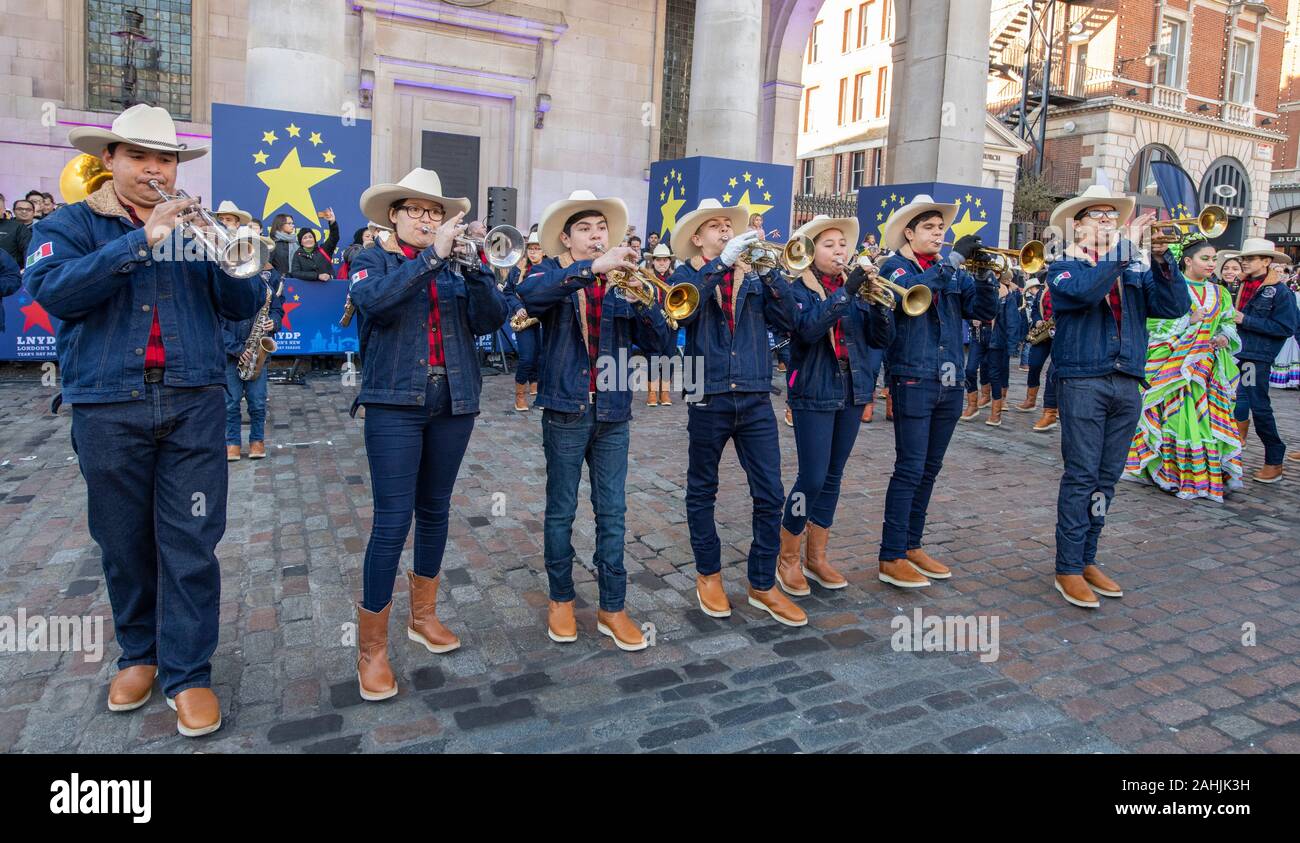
{"points": [[875, 357], [1098, 417], [254, 392], [977, 363], [999, 363], [528, 345], [569, 440], [823, 440], [1254, 400], [155, 474], [1050, 400], [414, 454], [925, 415], [746, 419], [1038, 355]]}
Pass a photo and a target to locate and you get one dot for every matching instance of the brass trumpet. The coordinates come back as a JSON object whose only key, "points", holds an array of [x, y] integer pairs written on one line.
{"points": [[523, 323], [1211, 222], [916, 299], [1031, 257], [792, 258], [680, 300]]}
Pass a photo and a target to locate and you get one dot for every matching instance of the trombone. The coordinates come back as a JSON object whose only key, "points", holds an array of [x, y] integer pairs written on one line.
{"points": [[792, 258], [1211, 222], [238, 255], [1031, 257], [916, 299]]}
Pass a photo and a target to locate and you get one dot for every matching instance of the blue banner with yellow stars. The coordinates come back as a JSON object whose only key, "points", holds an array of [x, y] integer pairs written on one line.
{"points": [[677, 186], [272, 162], [979, 209]]}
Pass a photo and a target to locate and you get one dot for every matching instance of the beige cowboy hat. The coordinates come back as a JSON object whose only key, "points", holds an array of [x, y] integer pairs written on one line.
{"points": [[140, 125], [556, 213], [1259, 247], [533, 239], [1222, 257], [228, 207], [661, 251], [1064, 213], [690, 223], [892, 237], [848, 226], [417, 184]]}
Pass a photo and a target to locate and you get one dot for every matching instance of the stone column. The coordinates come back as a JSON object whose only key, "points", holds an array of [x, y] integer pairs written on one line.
{"points": [[725, 79], [295, 56]]}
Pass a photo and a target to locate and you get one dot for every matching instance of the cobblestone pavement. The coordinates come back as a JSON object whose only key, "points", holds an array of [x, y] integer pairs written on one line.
{"points": [[1162, 670]]}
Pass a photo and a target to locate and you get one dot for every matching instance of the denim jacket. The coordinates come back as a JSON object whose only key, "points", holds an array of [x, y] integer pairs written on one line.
{"points": [[554, 293], [1008, 328], [234, 335], [391, 294], [10, 280], [815, 380], [931, 345], [1087, 341], [1266, 321], [739, 361], [91, 267]]}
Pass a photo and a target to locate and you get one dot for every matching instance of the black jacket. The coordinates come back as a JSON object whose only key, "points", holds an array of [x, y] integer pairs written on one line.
{"points": [[15, 235]]}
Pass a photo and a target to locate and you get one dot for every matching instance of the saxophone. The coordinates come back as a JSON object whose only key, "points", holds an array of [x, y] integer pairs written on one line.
{"points": [[259, 345]]}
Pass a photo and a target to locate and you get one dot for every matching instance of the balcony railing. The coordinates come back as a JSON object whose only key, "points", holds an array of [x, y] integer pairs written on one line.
{"points": [[1241, 115], [1170, 98]]}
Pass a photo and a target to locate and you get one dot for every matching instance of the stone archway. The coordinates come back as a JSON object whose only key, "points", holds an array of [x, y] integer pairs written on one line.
{"points": [[786, 26]]}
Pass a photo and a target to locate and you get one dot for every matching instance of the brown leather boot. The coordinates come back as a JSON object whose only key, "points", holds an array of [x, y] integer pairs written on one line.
{"points": [[131, 687], [902, 573], [198, 712], [789, 566], [868, 412], [425, 628], [995, 414], [257, 450], [1031, 399], [1268, 474], [928, 565], [781, 608], [561, 626], [815, 566], [652, 395], [232, 453], [986, 395], [1074, 588], [1243, 427], [521, 398], [1101, 583], [625, 632], [1047, 421], [972, 408], [1293, 455], [889, 406], [712, 596], [789, 417], [665, 400], [532, 389], [374, 675]]}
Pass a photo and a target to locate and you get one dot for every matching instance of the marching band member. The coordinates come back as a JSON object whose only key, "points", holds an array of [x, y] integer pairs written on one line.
{"points": [[234, 339], [229, 215], [419, 312], [657, 391], [829, 382], [977, 371], [528, 342], [1265, 316], [1101, 298], [1051, 417], [585, 419], [1002, 339], [145, 375], [925, 365], [728, 330], [1038, 353]]}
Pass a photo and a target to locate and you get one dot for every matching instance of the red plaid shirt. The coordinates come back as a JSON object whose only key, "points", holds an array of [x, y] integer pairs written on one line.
{"points": [[1249, 287], [436, 356], [1113, 297], [155, 355], [833, 283], [724, 286], [595, 293]]}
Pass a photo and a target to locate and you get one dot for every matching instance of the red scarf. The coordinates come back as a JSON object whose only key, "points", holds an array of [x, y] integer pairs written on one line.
{"points": [[155, 355], [832, 283], [1112, 298], [436, 355], [1249, 287], [926, 261]]}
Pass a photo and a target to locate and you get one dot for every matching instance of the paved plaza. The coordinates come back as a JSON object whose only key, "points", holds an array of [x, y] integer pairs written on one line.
{"points": [[1201, 655]]}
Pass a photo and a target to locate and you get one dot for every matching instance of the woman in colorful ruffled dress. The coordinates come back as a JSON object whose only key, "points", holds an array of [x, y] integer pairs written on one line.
{"points": [[1186, 440], [1285, 372]]}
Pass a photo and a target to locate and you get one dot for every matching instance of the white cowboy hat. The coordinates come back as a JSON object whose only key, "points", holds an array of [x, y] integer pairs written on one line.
{"points": [[848, 226], [228, 207], [892, 237], [533, 239], [661, 251], [1223, 257], [417, 184], [140, 125], [688, 225], [559, 211], [1032, 281], [1259, 247], [1064, 213]]}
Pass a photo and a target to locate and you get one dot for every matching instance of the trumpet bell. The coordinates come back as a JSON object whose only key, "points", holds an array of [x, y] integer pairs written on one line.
{"points": [[244, 256], [504, 246], [81, 177], [681, 300]]}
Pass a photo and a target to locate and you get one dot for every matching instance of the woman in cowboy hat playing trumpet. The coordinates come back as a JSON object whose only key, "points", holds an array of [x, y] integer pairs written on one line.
{"points": [[419, 314], [528, 342], [657, 391]]}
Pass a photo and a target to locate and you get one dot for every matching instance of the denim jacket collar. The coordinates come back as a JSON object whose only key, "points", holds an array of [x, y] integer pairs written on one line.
{"points": [[810, 280], [106, 203]]}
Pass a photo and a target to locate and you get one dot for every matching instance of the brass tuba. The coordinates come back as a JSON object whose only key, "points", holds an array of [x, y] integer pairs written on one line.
{"points": [[81, 177]]}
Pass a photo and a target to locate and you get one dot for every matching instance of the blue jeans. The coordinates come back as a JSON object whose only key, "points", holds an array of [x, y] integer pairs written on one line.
{"points": [[977, 362], [1255, 401], [823, 441], [925, 415], [1023, 351], [1098, 417], [875, 357], [254, 392], [1038, 355], [1050, 400], [746, 419], [528, 345], [569, 440], [155, 474], [999, 363], [414, 454]]}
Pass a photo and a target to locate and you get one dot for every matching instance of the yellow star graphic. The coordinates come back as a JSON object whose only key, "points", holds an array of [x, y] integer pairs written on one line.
{"points": [[759, 182], [726, 197], [731, 182], [259, 157], [902, 200], [668, 210], [292, 130], [673, 173], [968, 197], [977, 201], [328, 155], [296, 297], [662, 196], [879, 215], [752, 207], [767, 197], [290, 184], [746, 176], [965, 226], [679, 178], [892, 197], [883, 203], [315, 139], [269, 137], [683, 187], [665, 181], [983, 213]]}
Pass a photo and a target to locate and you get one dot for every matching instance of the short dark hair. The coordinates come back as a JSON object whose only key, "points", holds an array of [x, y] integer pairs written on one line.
{"points": [[32, 193], [254, 220], [920, 218], [634, 237], [28, 201], [581, 215], [49, 196]]}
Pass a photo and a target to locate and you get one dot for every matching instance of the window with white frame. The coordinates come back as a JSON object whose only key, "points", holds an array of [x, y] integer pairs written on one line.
{"points": [[807, 175], [859, 170], [1172, 54], [1241, 72]]}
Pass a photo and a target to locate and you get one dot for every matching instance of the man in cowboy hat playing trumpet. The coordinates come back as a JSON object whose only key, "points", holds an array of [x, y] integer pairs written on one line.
{"points": [[145, 374], [1102, 296], [586, 327]]}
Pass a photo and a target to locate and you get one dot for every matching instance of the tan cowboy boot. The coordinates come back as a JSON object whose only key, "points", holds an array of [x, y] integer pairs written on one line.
{"points": [[131, 687], [928, 565], [972, 407], [781, 608], [561, 626], [815, 566], [712, 596], [889, 406], [789, 417], [1268, 474], [521, 399], [1243, 428], [652, 395], [425, 628], [789, 567], [665, 400], [625, 632], [1101, 583], [232, 453], [986, 395], [198, 712], [868, 412], [257, 450], [532, 389], [995, 414], [1047, 421], [1074, 588], [901, 573], [1031, 399], [374, 675]]}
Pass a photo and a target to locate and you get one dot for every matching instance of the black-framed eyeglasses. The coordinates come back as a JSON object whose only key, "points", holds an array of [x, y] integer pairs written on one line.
{"points": [[415, 212], [1095, 214]]}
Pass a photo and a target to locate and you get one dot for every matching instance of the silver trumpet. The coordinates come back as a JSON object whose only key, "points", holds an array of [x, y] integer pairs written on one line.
{"points": [[503, 246], [239, 256]]}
